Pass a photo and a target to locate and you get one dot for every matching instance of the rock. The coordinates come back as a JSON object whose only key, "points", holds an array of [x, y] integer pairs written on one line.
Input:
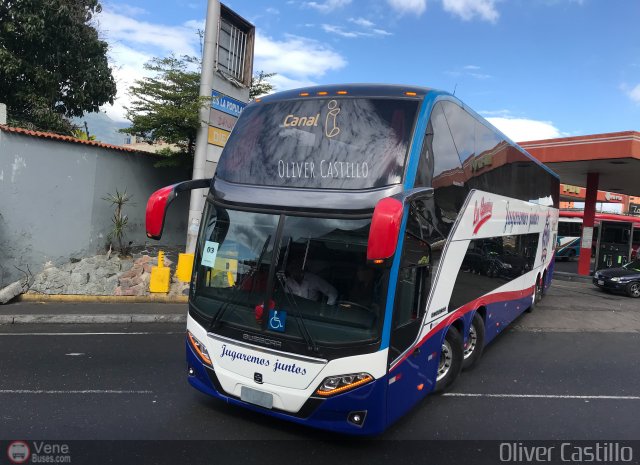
{"points": [[79, 279], [138, 289], [127, 274], [137, 270], [11, 291], [142, 260]]}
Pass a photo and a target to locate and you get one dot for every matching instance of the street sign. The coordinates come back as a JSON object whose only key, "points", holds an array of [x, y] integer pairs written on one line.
{"points": [[221, 120], [218, 136], [226, 104]]}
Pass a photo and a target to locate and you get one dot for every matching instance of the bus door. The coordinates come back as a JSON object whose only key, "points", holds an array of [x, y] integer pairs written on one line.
{"points": [[614, 244], [409, 380]]}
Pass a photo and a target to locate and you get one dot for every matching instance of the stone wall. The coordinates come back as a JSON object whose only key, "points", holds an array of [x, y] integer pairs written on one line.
{"points": [[51, 202]]}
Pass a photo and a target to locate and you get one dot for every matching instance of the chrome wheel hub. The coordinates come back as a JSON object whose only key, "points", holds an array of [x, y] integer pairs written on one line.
{"points": [[472, 340], [446, 359]]}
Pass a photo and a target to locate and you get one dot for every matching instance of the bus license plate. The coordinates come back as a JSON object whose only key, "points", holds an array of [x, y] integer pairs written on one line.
{"points": [[600, 282], [253, 396]]}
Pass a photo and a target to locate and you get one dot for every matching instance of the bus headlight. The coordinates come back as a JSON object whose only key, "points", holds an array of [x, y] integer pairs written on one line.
{"points": [[339, 384], [199, 348]]}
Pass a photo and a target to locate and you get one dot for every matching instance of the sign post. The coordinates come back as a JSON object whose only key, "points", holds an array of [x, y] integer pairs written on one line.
{"points": [[227, 68]]}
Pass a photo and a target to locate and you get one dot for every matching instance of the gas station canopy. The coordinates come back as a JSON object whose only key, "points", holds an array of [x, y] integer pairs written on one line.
{"points": [[608, 162], [614, 156]]}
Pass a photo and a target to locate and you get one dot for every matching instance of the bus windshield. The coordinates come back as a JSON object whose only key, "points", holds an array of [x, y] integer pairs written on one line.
{"points": [[340, 143], [317, 277]]}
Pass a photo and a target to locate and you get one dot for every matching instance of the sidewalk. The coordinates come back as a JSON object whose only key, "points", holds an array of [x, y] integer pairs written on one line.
{"points": [[568, 306], [91, 312]]}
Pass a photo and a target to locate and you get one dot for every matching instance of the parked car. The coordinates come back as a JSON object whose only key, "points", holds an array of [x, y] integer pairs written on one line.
{"points": [[624, 279]]}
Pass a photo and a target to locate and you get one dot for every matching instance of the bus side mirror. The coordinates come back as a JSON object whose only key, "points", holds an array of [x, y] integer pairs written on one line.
{"points": [[159, 202], [384, 231], [386, 223]]}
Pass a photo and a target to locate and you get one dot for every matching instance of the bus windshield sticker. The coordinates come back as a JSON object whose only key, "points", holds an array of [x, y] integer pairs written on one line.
{"points": [[330, 120], [277, 320], [209, 253]]}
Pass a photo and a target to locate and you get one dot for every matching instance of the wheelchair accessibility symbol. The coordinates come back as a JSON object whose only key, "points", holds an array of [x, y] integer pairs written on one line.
{"points": [[277, 320]]}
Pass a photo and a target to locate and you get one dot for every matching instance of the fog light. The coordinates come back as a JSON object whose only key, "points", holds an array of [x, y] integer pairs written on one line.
{"points": [[190, 371], [357, 418]]}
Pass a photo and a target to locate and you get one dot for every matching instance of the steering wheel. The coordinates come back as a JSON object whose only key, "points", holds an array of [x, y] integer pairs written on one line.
{"points": [[350, 304]]}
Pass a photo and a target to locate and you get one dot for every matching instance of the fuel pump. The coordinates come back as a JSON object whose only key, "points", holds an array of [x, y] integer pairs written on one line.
{"points": [[614, 244]]}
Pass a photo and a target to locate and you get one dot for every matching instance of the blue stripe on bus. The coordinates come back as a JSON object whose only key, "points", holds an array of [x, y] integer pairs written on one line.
{"points": [[393, 282], [418, 138], [414, 158]]}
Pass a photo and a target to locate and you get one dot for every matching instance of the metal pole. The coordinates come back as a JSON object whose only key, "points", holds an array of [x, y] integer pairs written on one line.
{"points": [[206, 85]]}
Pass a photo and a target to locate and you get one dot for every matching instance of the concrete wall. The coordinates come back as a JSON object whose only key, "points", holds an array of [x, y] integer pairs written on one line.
{"points": [[51, 200]]}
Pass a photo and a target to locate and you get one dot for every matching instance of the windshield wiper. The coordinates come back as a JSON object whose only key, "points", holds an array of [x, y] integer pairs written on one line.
{"points": [[216, 319], [302, 327]]}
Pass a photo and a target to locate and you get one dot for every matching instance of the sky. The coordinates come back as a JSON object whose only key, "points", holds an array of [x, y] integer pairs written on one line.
{"points": [[536, 69]]}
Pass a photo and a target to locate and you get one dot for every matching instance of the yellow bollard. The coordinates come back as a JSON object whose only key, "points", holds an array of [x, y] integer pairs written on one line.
{"points": [[160, 276], [184, 267]]}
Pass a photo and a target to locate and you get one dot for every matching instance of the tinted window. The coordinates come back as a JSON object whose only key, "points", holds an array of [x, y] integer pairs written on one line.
{"points": [[492, 164], [462, 127], [569, 228], [341, 143], [413, 285], [490, 263], [440, 168]]}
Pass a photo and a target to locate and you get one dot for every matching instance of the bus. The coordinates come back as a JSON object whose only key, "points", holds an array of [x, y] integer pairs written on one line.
{"points": [[570, 232], [359, 246]]}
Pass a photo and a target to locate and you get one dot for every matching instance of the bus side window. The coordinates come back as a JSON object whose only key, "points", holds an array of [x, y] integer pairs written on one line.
{"points": [[440, 168], [413, 286]]}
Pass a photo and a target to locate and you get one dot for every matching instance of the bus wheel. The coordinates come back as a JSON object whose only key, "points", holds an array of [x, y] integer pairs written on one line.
{"points": [[633, 289], [472, 349], [537, 295], [451, 356]]}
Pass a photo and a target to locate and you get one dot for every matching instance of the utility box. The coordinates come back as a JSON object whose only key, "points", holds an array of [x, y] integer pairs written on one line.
{"points": [[231, 81]]}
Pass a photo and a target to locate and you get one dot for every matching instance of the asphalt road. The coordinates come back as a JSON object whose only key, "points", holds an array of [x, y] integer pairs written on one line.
{"points": [[129, 382]]}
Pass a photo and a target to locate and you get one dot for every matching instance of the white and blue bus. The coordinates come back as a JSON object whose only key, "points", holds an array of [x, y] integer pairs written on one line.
{"points": [[359, 246]]}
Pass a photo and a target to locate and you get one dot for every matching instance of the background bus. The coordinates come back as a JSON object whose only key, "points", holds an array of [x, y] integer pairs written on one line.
{"points": [[379, 236], [570, 232]]}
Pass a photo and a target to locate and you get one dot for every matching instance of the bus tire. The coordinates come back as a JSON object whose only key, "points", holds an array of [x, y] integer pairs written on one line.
{"points": [[473, 347], [537, 295], [450, 363]]}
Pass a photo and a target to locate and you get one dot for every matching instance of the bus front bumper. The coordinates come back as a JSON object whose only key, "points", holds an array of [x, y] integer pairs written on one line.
{"points": [[335, 413]]}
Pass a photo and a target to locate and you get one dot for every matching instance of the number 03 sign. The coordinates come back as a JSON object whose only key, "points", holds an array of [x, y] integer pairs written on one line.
{"points": [[209, 253]]}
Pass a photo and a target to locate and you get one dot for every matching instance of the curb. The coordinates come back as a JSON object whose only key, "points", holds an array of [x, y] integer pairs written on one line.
{"points": [[86, 319], [111, 299], [564, 276]]}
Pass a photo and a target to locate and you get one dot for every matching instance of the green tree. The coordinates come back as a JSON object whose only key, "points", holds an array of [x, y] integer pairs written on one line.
{"points": [[53, 66], [260, 84], [164, 107]]}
